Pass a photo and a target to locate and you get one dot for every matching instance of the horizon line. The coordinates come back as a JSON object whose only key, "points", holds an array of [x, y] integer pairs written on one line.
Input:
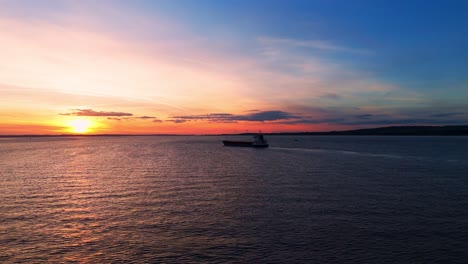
{"points": [[224, 134]]}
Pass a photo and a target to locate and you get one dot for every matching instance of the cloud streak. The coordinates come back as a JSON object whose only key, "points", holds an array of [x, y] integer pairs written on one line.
{"points": [[449, 114], [111, 115], [312, 44], [90, 112], [261, 116], [341, 117]]}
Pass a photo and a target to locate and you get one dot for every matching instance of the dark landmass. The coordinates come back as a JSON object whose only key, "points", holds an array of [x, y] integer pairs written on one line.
{"points": [[395, 131], [381, 131]]}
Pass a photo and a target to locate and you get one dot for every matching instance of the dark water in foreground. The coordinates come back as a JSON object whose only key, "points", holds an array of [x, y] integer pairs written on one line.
{"points": [[189, 199]]}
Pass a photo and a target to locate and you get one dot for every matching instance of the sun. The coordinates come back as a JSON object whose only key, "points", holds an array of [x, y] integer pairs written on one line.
{"points": [[80, 126]]}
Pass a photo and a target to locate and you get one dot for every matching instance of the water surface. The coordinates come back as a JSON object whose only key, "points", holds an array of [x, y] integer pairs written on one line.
{"points": [[315, 199]]}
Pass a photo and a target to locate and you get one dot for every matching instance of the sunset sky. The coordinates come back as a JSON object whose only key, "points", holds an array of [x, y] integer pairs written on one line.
{"points": [[198, 66]]}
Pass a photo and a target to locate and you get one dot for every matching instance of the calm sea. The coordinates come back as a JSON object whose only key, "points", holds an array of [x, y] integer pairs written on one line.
{"points": [[319, 199]]}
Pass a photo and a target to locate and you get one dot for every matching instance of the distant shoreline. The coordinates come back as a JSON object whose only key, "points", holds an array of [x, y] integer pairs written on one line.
{"points": [[394, 131], [380, 131]]}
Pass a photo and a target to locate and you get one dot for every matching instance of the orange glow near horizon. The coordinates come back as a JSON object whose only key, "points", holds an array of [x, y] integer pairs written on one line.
{"points": [[93, 125]]}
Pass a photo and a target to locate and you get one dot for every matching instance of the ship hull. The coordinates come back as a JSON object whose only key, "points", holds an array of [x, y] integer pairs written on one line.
{"points": [[249, 144]]}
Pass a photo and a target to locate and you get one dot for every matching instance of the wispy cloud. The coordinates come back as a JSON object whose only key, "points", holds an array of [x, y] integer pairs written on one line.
{"points": [[305, 121], [449, 114], [369, 116], [177, 121], [326, 116], [90, 112], [132, 118], [332, 96], [145, 117], [261, 116], [312, 44]]}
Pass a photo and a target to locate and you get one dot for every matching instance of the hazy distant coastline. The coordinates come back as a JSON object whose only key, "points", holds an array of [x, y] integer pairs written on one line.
{"points": [[396, 131]]}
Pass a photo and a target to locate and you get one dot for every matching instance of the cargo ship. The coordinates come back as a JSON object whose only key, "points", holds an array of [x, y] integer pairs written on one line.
{"points": [[259, 141]]}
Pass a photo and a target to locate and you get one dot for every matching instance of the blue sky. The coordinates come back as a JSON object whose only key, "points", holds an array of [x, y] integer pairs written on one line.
{"points": [[321, 64], [420, 45]]}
